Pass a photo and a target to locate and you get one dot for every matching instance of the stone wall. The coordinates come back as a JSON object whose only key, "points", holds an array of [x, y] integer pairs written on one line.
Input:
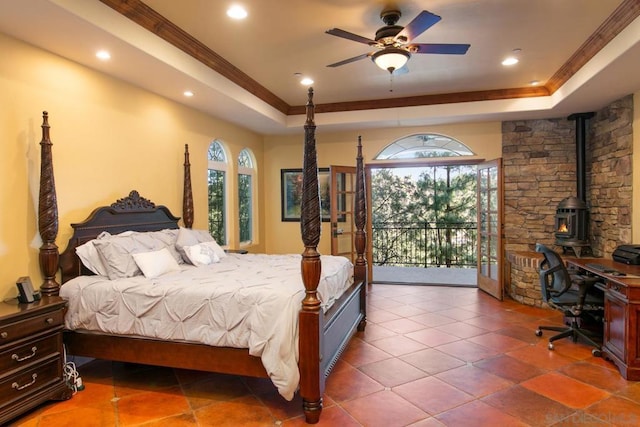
{"points": [[539, 164], [609, 178]]}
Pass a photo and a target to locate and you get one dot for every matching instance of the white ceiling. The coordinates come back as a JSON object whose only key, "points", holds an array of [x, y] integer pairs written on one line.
{"points": [[284, 37]]}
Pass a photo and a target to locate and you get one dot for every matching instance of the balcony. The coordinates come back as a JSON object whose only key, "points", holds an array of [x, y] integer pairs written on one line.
{"points": [[425, 253]]}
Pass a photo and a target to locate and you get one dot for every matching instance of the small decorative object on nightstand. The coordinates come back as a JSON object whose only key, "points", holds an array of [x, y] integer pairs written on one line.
{"points": [[31, 355]]}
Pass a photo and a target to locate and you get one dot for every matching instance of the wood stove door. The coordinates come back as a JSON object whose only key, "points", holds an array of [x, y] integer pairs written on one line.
{"points": [[490, 214]]}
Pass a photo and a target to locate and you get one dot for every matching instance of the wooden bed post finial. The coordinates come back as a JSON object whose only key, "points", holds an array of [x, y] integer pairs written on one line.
{"points": [[310, 108], [311, 383], [47, 214], [187, 193]]}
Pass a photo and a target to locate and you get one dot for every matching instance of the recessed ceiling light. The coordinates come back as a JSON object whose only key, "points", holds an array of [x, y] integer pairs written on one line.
{"points": [[512, 59], [103, 55], [534, 82], [306, 81], [188, 93], [237, 12]]}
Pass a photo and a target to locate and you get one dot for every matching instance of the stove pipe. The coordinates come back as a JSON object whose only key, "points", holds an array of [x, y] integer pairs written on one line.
{"points": [[581, 147]]}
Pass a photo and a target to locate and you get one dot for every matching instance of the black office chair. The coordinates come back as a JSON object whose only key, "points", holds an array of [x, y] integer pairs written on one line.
{"points": [[583, 304]]}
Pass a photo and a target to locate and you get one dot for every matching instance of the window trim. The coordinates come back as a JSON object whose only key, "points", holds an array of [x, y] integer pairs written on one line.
{"points": [[411, 146]]}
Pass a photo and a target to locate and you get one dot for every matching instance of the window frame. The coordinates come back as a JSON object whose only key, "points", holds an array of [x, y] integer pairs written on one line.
{"points": [[249, 171], [223, 167]]}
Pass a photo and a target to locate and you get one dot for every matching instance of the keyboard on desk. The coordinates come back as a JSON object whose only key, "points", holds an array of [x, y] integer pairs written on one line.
{"points": [[603, 269]]}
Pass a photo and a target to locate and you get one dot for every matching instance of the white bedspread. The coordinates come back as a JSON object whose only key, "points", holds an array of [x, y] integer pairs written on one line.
{"points": [[245, 301]]}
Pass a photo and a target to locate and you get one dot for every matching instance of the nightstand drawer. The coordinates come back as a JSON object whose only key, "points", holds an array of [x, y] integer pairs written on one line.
{"points": [[29, 381], [30, 326], [31, 350]]}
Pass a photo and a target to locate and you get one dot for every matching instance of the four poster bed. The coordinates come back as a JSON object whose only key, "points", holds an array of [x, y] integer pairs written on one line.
{"points": [[329, 304]]}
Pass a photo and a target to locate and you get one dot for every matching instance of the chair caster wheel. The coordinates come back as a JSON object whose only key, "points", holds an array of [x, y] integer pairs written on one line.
{"points": [[596, 352], [538, 332], [550, 346]]}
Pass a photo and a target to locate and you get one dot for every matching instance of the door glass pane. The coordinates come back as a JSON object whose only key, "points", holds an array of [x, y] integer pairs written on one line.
{"points": [[493, 200], [345, 202], [483, 180], [493, 176], [493, 248], [483, 201], [493, 223]]}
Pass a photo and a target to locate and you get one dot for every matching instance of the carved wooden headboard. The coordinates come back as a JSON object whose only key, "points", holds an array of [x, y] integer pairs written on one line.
{"points": [[133, 213]]}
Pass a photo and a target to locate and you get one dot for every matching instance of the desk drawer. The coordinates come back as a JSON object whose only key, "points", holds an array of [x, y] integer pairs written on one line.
{"points": [[31, 350], [30, 326], [29, 381]]}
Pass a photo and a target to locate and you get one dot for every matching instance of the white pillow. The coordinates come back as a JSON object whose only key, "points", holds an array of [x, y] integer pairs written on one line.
{"points": [[156, 263], [202, 253]]}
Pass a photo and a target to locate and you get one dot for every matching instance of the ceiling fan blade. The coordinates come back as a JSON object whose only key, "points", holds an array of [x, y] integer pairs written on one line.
{"points": [[347, 61], [350, 36], [420, 23], [440, 48]]}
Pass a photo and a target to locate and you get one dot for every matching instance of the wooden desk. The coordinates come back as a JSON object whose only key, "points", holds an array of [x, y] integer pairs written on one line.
{"points": [[621, 313]]}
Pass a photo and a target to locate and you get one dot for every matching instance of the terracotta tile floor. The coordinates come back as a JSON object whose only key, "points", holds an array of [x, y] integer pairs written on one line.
{"points": [[431, 356]]}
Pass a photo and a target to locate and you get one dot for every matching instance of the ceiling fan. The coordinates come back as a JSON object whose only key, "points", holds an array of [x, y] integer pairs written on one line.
{"points": [[393, 42]]}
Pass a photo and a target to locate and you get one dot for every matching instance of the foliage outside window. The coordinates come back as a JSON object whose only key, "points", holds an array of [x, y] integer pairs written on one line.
{"points": [[245, 196], [424, 216], [217, 182]]}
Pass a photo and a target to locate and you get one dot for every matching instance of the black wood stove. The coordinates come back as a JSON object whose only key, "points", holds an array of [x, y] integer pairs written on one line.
{"points": [[572, 214]]}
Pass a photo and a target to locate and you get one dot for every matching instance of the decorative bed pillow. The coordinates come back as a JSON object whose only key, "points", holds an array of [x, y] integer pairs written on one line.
{"points": [[168, 238], [90, 258], [189, 237], [156, 263], [116, 252], [202, 253]]}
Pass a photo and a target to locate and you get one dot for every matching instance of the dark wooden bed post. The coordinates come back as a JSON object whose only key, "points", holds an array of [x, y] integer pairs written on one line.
{"points": [[311, 383], [47, 214], [187, 194], [360, 267]]}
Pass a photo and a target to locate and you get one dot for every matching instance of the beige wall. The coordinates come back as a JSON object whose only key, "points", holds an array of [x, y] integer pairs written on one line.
{"points": [[284, 152], [108, 138]]}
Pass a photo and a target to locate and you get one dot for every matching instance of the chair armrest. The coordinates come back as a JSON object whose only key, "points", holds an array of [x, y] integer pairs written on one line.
{"points": [[584, 283], [583, 279]]}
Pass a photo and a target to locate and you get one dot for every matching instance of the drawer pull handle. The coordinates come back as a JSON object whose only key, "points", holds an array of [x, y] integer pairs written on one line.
{"points": [[4, 335], [49, 320], [19, 387], [17, 358]]}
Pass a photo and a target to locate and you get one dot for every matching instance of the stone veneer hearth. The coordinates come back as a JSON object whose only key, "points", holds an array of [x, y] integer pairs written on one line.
{"points": [[539, 163]]}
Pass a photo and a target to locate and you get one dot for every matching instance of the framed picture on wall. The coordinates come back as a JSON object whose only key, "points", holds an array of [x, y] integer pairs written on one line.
{"points": [[291, 193]]}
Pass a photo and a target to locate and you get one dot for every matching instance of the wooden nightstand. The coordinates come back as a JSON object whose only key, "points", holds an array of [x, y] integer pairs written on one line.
{"points": [[31, 355]]}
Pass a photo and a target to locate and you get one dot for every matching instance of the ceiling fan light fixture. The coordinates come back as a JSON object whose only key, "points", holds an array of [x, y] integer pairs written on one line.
{"points": [[391, 58]]}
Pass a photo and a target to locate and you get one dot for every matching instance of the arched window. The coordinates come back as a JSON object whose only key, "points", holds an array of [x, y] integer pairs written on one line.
{"points": [[424, 145], [246, 172], [217, 184]]}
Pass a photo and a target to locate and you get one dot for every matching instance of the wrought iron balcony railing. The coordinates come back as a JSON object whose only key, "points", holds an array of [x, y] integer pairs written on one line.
{"points": [[424, 244]]}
